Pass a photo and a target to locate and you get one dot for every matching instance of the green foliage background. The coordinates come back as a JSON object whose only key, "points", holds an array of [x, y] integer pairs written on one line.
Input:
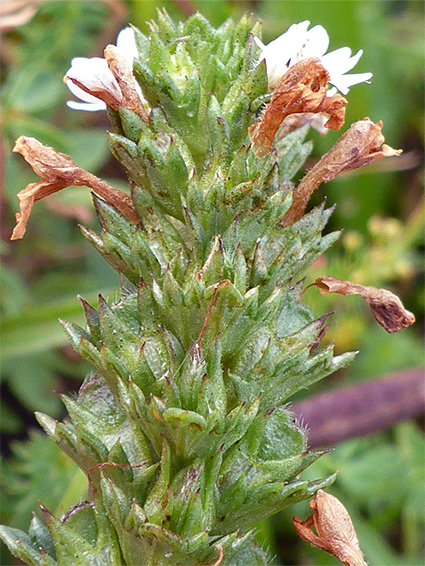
{"points": [[381, 478]]}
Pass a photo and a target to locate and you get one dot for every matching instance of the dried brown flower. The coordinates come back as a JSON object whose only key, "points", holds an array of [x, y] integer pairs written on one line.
{"points": [[362, 144], [385, 306], [335, 531], [58, 171], [119, 67], [301, 89]]}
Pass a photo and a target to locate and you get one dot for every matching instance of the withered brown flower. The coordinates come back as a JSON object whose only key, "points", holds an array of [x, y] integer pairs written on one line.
{"points": [[335, 530], [122, 73], [362, 144], [58, 171], [385, 306], [302, 89]]}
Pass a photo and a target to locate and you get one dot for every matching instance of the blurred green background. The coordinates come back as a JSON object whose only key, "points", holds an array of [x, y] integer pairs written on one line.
{"points": [[380, 209]]}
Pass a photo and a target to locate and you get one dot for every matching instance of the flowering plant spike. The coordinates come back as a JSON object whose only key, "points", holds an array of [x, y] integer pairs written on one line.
{"points": [[183, 428]]}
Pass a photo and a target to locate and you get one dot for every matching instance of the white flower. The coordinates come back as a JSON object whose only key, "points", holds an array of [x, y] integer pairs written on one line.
{"points": [[95, 75], [300, 43]]}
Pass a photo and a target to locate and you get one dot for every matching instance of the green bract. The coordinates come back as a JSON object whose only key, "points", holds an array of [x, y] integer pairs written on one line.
{"points": [[182, 429]]}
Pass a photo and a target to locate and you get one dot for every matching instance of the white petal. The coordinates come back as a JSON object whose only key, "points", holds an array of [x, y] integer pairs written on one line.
{"points": [[80, 93], [299, 43], [84, 69], [297, 39], [95, 64], [287, 42], [126, 43], [344, 82], [340, 61], [259, 43], [87, 106], [278, 47], [278, 55], [282, 52], [299, 29], [317, 42], [295, 44], [139, 90], [94, 74]]}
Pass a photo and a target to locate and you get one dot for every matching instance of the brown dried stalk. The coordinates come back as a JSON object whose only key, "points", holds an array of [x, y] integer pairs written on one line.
{"points": [[385, 306], [335, 530], [58, 171], [302, 89], [362, 144]]}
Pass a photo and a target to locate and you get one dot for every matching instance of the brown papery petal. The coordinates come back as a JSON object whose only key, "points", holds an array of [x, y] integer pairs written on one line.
{"points": [[335, 530], [118, 66], [362, 144], [58, 171], [385, 306], [301, 89]]}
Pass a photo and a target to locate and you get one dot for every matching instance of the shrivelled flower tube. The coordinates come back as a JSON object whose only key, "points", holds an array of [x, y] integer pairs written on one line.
{"points": [[386, 307], [335, 530], [362, 144], [58, 171], [303, 89]]}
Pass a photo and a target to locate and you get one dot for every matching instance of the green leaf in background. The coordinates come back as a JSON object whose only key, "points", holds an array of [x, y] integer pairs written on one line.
{"points": [[405, 351], [28, 478], [10, 423], [88, 148], [36, 328], [30, 379], [13, 293]]}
